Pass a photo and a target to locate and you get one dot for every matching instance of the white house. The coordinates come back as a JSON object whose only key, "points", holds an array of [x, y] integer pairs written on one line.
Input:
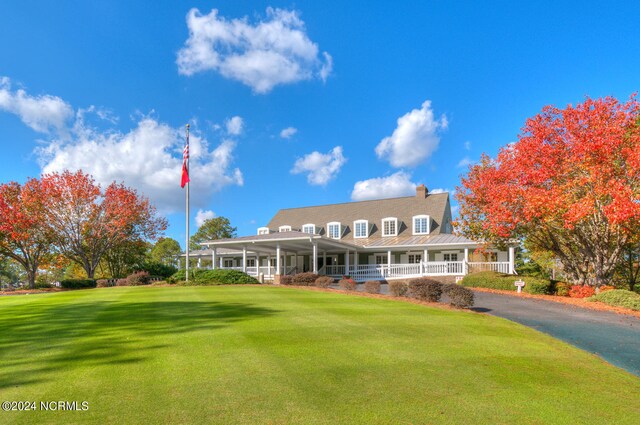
{"points": [[379, 239]]}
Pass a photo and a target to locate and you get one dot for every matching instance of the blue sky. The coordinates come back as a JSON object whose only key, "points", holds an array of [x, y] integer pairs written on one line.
{"points": [[292, 103]]}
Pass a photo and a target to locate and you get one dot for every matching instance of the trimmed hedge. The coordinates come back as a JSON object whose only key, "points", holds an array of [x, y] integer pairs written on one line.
{"points": [[159, 269], [372, 286], [213, 277], [123, 282], [102, 283], [286, 280], [304, 279], [493, 280], [425, 289], [348, 284], [78, 283], [323, 282], [459, 296], [398, 288], [618, 298], [139, 279]]}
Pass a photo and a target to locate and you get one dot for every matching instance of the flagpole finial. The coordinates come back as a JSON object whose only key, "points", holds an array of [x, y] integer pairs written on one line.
{"points": [[188, 126]]}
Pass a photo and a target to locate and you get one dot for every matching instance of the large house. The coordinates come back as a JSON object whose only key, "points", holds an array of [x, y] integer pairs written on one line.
{"points": [[368, 240]]}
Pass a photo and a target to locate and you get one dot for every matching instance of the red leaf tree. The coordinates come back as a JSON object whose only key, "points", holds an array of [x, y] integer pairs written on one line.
{"points": [[22, 234], [569, 185], [86, 221]]}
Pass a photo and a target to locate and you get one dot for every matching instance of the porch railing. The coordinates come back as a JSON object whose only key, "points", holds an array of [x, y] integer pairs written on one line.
{"points": [[500, 267]]}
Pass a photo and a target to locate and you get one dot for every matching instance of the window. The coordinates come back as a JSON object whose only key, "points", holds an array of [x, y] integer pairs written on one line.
{"points": [[381, 258], [251, 262], [228, 262], [390, 226], [421, 225], [284, 229], [263, 230], [451, 257], [273, 262], [334, 230], [361, 229], [309, 228], [415, 258]]}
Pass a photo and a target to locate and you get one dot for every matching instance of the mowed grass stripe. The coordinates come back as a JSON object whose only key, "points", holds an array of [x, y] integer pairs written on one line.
{"points": [[281, 355]]}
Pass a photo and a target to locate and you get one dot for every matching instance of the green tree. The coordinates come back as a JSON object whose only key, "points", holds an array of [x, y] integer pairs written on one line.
{"points": [[213, 228], [165, 251], [125, 258]]}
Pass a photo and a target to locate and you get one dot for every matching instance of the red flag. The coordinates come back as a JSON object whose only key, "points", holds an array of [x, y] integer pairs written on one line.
{"points": [[185, 166]]}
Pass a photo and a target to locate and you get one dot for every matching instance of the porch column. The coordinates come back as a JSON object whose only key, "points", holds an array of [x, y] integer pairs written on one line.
{"points": [[346, 263], [244, 259], [257, 264], [199, 262], [355, 259], [221, 262], [315, 257], [268, 265], [213, 259], [465, 270], [512, 259], [278, 268], [425, 260], [388, 262]]}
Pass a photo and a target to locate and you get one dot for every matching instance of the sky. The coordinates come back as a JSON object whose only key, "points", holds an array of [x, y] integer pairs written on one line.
{"points": [[292, 103]]}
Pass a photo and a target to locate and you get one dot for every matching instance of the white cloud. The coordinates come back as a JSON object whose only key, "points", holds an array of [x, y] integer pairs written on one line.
{"points": [[271, 52], [320, 168], [204, 215], [288, 132], [44, 113], [414, 139], [395, 185], [234, 125], [147, 158], [467, 145], [465, 162], [439, 190]]}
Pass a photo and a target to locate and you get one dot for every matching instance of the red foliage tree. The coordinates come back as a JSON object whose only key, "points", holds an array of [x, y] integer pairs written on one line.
{"points": [[569, 185], [22, 235], [86, 222]]}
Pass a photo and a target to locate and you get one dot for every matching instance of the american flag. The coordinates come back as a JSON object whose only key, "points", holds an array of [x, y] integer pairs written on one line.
{"points": [[185, 164]]}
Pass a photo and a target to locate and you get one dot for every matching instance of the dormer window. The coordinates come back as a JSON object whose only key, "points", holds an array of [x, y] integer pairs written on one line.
{"points": [[309, 228], [334, 230], [421, 224], [282, 229], [263, 231], [361, 229], [390, 226]]}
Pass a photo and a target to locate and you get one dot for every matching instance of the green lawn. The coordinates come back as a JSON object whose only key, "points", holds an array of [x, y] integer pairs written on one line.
{"points": [[281, 355]]}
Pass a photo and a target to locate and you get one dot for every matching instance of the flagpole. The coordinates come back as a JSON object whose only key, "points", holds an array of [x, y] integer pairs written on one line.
{"points": [[187, 263]]}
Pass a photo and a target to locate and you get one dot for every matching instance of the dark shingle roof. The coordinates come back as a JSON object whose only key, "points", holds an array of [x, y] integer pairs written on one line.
{"points": [[434, 205]]}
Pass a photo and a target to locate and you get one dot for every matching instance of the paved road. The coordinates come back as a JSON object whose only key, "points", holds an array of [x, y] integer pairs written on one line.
{"points": [[614, 337]]}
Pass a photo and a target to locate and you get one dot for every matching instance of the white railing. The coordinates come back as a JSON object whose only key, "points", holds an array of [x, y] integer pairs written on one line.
{"points": [[367, 272], [443, 268], [500, 267], [335, 270]]}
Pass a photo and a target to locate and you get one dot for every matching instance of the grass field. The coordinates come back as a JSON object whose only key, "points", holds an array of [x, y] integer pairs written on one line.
{"points": [[281, 355]]}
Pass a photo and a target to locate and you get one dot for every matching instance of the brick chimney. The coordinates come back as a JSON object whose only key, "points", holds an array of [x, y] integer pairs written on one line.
{"points": [[421, 191]]}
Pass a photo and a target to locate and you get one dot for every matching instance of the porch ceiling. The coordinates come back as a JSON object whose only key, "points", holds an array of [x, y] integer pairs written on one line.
{"points": [[288, 241]]}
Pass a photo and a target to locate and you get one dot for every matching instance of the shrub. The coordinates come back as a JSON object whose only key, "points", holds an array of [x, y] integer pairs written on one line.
{"points": [[286, 280], [78, 283], [102, 283], [158, 269], [138, 279], [605, 288], [581, 291], [372, 286], [212, 277], [459, 296], [324, 282], [398, 288], [493, 280], [619, 298], [348, 284], [43, 285], [425, 289], [123, 282], [562, 288], [304, 279]]}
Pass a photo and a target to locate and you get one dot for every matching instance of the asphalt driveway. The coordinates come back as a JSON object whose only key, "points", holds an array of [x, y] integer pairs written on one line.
{"points": [[614, 337]]}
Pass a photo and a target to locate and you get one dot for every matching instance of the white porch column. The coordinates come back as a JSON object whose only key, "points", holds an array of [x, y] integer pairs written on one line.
{"points": [[213, 259], [346, 263], [315, 257], [466, 261], [268, 265], [388, 262], [199, 262], [355, 259], [278, 265], [221, 262], [257, 264], [512, 259], [244, 259]]}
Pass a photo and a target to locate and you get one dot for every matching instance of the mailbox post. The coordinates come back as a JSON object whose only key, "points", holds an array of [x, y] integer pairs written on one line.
{"points": [[519, 284]]}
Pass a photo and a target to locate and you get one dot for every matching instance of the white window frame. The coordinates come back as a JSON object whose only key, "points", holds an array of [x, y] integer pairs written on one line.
{"points": [[330, 225], [285, 228], [450, 253], [251, 262], [417, 257], [421, 217], [228, 262], [388, 220], [313, 226], [263, 231], [381, 256], [366, 228]]}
